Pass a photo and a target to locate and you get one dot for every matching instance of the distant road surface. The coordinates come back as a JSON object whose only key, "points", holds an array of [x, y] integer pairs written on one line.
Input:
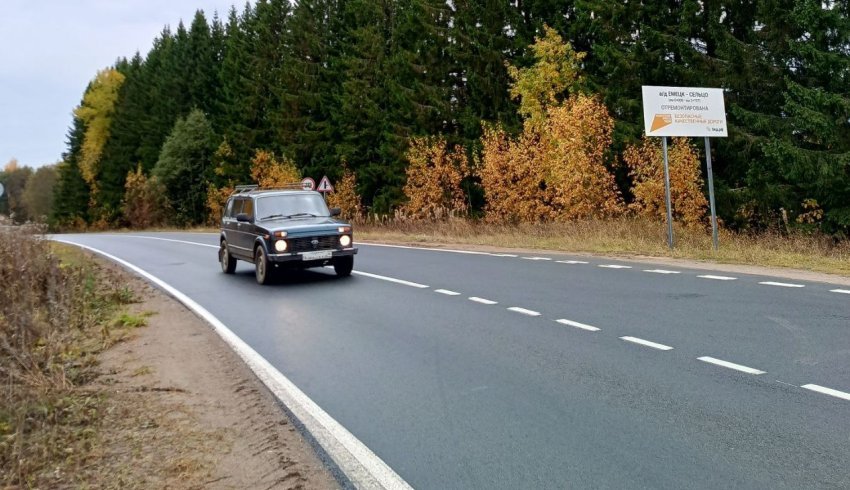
{"points": [[479, 370]]}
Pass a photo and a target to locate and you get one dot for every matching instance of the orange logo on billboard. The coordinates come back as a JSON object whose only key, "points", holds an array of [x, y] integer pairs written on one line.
{"points": [[660, 121]]}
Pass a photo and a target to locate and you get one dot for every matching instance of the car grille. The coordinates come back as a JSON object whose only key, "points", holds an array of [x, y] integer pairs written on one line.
{"points": [[306, 244]]}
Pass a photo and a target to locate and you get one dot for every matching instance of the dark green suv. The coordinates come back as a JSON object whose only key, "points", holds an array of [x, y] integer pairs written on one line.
{"points": [[283, 228]]}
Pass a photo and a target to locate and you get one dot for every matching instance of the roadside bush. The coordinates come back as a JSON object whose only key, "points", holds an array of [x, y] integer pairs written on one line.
{"points": [[512, 176], [434, 175], [145, 200], [555, 170], [646, 167], [269, 171], [346, 198]]}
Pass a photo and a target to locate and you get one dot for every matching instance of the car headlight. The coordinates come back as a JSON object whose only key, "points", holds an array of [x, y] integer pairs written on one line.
{"points": [[345, 240], [280, 245]]}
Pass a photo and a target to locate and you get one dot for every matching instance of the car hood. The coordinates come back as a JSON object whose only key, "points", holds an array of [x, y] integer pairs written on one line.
{"points": [[302, 226]]}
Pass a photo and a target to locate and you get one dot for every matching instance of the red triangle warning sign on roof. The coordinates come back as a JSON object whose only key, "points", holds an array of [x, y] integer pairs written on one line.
{"points": [[325, 185]]}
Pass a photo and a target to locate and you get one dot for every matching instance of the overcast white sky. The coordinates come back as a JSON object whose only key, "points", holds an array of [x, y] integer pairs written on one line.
{"points": [[52, 48]]}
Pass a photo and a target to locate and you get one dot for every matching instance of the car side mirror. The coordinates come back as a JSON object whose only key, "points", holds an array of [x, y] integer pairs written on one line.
{"points": [[335, 211], [243, 218]]}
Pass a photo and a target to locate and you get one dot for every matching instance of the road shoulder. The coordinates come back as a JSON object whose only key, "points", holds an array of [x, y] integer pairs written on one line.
{"points": [[186, 412]]}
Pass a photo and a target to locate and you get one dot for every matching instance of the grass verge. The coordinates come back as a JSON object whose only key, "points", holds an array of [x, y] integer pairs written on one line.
{"points": [[57, 310], [626, 237]]}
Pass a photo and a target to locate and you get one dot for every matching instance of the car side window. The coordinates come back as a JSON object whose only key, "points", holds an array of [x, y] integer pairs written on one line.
{"points": [[237, 207], [228, 213], [248, 207]]}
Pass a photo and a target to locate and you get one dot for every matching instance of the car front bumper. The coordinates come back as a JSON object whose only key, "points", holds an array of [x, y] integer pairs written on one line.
{"points": [[299, 257]]}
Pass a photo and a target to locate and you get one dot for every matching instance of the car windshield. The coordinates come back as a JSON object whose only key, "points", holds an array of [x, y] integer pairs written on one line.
{"points": [[291, 206]]}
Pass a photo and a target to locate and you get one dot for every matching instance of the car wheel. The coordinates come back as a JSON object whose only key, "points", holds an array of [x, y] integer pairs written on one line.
{"points": [[228, 262], [344, 265], [262, 267]]}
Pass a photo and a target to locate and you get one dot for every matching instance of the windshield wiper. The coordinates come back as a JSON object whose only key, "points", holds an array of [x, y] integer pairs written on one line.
{"points": [[273, 216], [287, 216]]}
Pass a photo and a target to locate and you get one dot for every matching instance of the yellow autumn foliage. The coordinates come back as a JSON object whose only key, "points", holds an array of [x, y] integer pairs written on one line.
{"points": [[345, 197], [96, 112], [269, 172], [434, 175], [556, 71], [552, 171], [646, 167], [513, 178], [576, 136]]}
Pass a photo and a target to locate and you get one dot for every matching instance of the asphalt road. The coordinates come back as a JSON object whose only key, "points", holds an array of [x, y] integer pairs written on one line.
{"points": [[463, 377]]}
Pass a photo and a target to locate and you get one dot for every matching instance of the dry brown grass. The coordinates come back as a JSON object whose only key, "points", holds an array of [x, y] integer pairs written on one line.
{"points": [[54, 319], [626, 237]]}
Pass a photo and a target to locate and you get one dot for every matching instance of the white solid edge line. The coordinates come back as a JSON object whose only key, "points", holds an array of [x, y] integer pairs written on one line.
{"points": [[482, 300], [590, 328], [517, 309], [718, 278], [615, 266], [359, 464], [447, 292], [571, 262], [840, 291], [782, 284], [390, 279], [647, 343], [827, 391], [730, 365], [661, 271], [170, 240]]}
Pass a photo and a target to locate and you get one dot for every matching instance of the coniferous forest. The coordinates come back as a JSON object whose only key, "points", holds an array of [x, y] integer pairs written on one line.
{"points": [[351, 88]]}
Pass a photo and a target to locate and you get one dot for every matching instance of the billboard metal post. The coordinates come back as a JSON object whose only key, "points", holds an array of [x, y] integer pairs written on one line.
{"points": [[689, 112], [667, 196], [711, 192]]}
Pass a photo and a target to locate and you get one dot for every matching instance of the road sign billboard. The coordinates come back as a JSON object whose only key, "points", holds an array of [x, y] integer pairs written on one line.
{"points": [[684, 111]]}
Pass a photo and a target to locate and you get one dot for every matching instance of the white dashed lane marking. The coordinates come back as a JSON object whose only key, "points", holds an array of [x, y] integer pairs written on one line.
{"points": [[564, 321], [447, 292], [661, 271], [517, 309], [730, 365], [782, 284], [615, 266], [536, 258], [505, 255], [827, 391], [482, 300], [647, 343], [571, 262], [719, 278], [391, 279], [841, 291]]}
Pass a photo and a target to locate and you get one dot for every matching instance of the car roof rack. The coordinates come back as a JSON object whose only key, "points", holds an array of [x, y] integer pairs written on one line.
{"points": [[239, 189], [291, 186]]}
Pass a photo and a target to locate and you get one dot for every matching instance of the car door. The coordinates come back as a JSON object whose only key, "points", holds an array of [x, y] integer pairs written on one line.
{"points": [[233, 228], [246, 230]]}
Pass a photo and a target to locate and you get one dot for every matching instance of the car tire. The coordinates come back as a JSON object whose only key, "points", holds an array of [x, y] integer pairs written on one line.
{"points": [[344, 265], [263, 270], [227, 261]]}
